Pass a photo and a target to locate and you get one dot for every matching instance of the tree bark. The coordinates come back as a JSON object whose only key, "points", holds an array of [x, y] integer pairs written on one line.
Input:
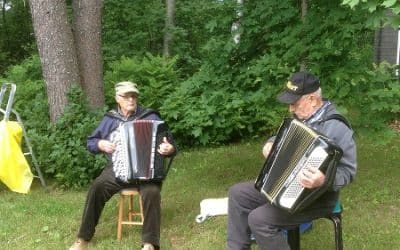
{"points": [[169, 25], [87, 34], [56, 50]]}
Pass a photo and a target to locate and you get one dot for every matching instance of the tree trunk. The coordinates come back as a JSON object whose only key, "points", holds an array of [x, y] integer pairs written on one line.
{"points": [[87, 34], [4, 33], [56, 50], [235, 28], [169, 25]]}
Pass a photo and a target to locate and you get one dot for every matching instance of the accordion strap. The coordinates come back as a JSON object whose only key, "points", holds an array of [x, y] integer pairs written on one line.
{"points": [[338, 117], [146, 113]]}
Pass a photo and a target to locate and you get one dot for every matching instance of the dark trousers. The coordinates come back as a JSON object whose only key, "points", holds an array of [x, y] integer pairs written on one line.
{"points": [[104, 187], [248, 212]]}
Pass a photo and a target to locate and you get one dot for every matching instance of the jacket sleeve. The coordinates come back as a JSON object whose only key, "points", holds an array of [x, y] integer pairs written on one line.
{"points": [[101, 132], [347, 167]]}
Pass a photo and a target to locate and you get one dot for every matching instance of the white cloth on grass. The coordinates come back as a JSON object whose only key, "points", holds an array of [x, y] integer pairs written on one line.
{"points": [[212, 207]]}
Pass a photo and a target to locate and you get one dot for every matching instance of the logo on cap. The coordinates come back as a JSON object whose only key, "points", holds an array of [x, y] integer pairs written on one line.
{"points": [[291, 86]]}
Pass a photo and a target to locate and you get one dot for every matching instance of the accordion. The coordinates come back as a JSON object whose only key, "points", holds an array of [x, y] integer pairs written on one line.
{"points": [[296, 147], [136, 156]]}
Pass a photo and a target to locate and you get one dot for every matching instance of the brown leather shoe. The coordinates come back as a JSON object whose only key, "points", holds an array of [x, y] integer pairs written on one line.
{"points": [[148, 246], [79, 244]]}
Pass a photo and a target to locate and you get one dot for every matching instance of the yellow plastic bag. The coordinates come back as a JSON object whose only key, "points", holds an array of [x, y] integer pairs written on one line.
{"points": [[14, 169]]}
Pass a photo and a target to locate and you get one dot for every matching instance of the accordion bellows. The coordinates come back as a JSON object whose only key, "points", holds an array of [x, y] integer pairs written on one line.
{"points": [[136, 156], [296, 148]]}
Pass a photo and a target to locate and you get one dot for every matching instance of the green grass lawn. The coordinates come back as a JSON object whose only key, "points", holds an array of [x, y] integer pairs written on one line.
{"points": [[49, 219]]}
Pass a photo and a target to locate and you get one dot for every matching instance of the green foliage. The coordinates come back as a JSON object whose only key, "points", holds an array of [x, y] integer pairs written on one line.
{"points": [[132, 28], [233, 93], [197, 23], [63, 149], [156, 77], [210, 109], [16, 34], [375, 100], [379, 10], [30, 99]]}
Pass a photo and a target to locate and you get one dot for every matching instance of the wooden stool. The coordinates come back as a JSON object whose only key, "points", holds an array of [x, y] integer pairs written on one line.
{"points": [[132, 212]]}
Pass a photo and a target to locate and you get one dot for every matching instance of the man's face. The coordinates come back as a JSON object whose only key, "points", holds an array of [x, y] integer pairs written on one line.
{"points": [[127, 102], [303, 108]]}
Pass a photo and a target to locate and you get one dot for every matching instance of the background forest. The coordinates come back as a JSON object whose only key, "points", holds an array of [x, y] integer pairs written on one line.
{"points": [[215, 79]]}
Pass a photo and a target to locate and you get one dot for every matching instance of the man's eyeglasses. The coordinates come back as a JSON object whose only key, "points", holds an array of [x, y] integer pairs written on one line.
{"points": [[127, 97]]}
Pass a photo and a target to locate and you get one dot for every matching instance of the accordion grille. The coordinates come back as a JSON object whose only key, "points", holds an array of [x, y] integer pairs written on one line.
{"points": [[290, 152]]}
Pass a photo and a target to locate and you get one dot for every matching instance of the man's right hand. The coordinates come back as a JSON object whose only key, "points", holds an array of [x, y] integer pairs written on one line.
{"points": [[106, 146]]}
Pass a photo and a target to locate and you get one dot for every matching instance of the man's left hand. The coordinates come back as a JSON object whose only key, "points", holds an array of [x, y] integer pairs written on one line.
{"points": [[165, 147]]}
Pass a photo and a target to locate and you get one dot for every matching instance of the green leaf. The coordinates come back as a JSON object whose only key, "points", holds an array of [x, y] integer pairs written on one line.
{"points": [[389, 3], [351, 3]]}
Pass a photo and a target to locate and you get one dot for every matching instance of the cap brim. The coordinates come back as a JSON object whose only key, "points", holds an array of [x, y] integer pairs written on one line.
{"points": [[125, 90], [288, 97]]}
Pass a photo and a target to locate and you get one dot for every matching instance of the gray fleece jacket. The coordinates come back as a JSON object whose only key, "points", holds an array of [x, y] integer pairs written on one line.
{"points": [[342, 135]]}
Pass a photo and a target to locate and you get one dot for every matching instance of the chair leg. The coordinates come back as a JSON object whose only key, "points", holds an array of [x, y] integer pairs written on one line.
{"points": [[120, 217], [294, 233], [337, 222], [293, 236]]}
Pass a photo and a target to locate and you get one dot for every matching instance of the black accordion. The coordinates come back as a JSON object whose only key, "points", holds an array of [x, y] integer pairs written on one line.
{"points": [[136, 156], [296, 147]]}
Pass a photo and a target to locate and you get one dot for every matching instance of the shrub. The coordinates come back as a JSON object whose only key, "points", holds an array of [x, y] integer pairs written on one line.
{"points": [[156, 77], [63, 149]]}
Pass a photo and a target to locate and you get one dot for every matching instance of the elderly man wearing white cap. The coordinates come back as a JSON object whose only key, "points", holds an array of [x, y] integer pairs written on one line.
{"points": [[109, 183]]}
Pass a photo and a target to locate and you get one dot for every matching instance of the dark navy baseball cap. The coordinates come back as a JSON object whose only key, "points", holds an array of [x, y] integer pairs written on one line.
{"points": [[301, 83]]}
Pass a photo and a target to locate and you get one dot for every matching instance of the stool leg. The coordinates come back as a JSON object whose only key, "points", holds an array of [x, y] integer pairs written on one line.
{"points": [[293, 236], [120, 216], [141, 208], [130, 211]]}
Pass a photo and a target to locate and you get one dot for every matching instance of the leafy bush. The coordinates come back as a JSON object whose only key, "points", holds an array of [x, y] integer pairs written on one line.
{"points": [[156, 77], [375, 100], [30, 99], [212, 107], [63, 149]]}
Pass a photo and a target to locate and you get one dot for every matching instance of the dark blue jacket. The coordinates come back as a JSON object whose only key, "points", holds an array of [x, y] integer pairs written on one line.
{"points": [[110, 122]]}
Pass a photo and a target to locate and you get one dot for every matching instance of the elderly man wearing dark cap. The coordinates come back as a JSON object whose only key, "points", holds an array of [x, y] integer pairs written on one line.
{"points": [[249, 213], [111, 181]]}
